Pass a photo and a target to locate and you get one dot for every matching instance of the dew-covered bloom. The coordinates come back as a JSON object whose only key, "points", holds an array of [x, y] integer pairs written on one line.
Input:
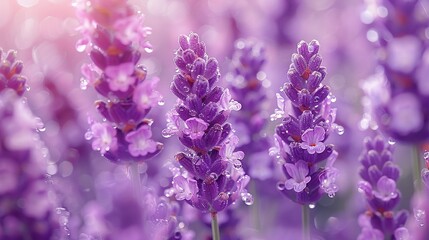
{"points": [[300, 137], [379, 175], [120, 214], [26, 200], [210, 177], [10, 72], [400, 89], [248, 86], [114, 37], [425, 170]]}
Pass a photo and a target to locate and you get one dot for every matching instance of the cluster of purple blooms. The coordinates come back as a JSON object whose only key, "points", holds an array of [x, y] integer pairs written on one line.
{"points": [[211, 176], [27, 206], [379, 175], [248, 86], [398, 28], [300, 138], [123, 215], [114, 37]]}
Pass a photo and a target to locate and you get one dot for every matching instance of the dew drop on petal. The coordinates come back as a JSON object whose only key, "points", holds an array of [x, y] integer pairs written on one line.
{"points": [[88, 135], [83, 84], [247, 198], [420, 216], [166, 133], [311, 205], [161, 102], [281, 185], [426, 155], [391, 141], [169, 192]]}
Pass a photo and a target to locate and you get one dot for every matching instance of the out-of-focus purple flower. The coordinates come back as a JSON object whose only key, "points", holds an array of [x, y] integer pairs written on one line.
{"points": [[404, 67], [114, 37], [104, 137], [119, 76], [210, 178], [27, 204], [248, 86], [120, 214], [379, 175], [300, 138]]}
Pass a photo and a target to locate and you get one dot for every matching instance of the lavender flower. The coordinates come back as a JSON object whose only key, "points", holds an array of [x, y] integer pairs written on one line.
{"points": [[114, 36], [26, 203], [379, 175], [300, 138], [246, 81], [210, 177], [400, 89]]}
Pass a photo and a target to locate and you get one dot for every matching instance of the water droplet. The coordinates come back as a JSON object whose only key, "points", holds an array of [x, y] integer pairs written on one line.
{"points": [[213, 176], [166, 133], [333, 98], [339, 129], [331, 194], [88, 135], [64, 215], [27, 88], [81, 46], [311, 205], [420, 216], [148, 49], [40, 127], [169, 192], [161, 102], [83, 84], [391, 141], [237, 164], [247, 198], [281, 186], [426, 155]]}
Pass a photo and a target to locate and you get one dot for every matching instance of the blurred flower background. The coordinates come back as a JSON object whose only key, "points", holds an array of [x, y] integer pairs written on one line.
{"points": [[377, 60]]}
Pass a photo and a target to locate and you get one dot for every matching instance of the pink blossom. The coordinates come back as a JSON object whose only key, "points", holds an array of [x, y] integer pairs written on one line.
{"points": [[140, 142], [145, 95], [120, 76], [104, 137]]}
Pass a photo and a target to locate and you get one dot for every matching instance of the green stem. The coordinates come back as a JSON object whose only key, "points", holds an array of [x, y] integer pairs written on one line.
{"points": [[417, 168], [305, 222], [135, 179], [215, 227]]}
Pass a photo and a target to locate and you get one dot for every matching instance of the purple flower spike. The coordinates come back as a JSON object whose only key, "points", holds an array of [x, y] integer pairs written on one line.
{"points": [[211, 177], [115, 38], [299, 178], [300, 138], [313, 140], [380, 191]]}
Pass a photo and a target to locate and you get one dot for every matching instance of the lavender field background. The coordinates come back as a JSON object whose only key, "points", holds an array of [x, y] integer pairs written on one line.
{"points": [[56, 183]]}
